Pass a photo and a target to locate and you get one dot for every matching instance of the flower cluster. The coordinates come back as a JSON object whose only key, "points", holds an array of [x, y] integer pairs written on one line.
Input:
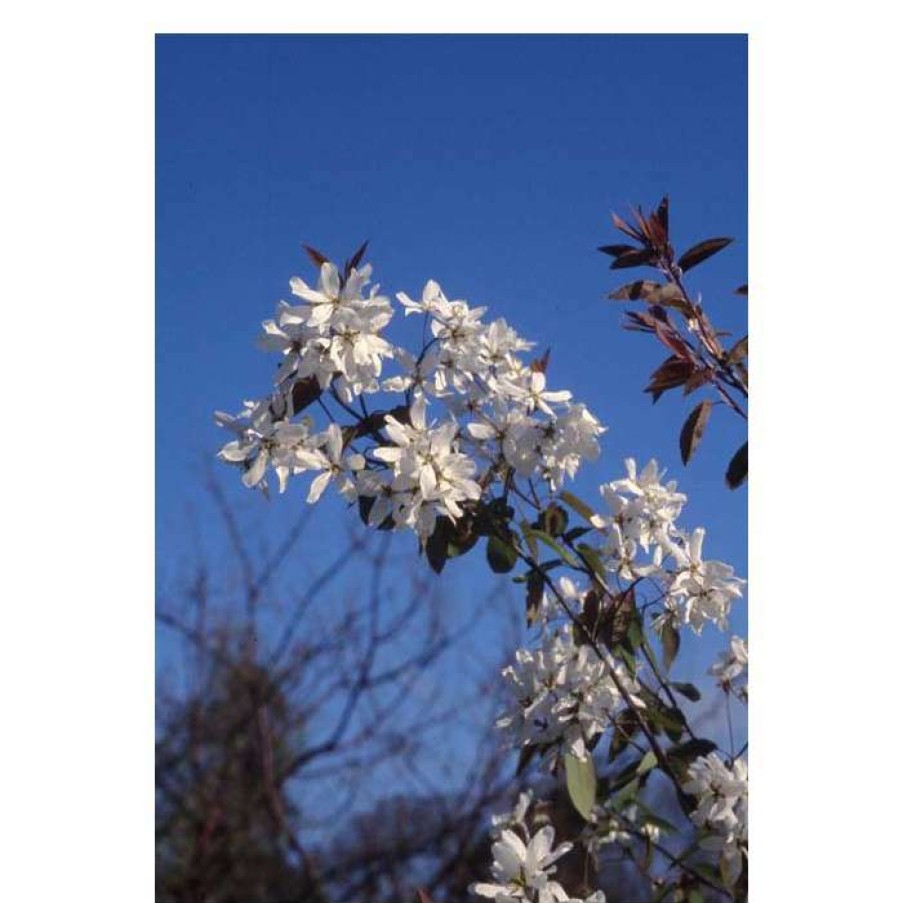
{"points": [[563, 693], [721, 791], [730, 670], [523, 863], [473, 410], [607, 827], [334, 334], [472, 429], [643, 541]]}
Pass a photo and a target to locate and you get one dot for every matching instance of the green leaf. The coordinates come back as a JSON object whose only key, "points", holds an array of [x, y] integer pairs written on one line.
{"points": [[668, 718], [501, 555], [635, 634], [647, 763], [682, 754], [618, 616], [663, 892], [527, 754], [693, 428], [687, 690], [526, 530], [674, 724], [656, 820], [554, 520], [670, 645], [625, 725], [547, 540], [584, 510], [535, 587], [436, 547], [580, 776], [725, 872], [592, 559], [627, 657], [576, 533]]}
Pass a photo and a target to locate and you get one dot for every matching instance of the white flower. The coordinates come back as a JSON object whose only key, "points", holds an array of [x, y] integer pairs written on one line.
{"points": [[523, 862], [327, 456], [563, 693], [265, 438], [644, 508], [731, 666], [521, 870], [333, 334], [703, 589], [532, 392], [430, 476], [722, 798]]}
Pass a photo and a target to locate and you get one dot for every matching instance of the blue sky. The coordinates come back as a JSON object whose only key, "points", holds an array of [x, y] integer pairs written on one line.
{"points": [[488, 163]]}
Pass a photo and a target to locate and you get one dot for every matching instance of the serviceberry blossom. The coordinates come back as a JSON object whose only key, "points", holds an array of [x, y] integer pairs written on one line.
{"points": [[466, 432], [605, 827], [264, 439], [722, 793], [517, 817], [474, 409], [642, 505], [701, 590], [327, 455], [523, 863], [562, 694], [731, 668], [333, 334], [642, 540], [430, 476]]}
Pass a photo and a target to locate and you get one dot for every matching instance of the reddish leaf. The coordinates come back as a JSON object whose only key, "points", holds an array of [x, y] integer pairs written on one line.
{"points": [[358, 256], [637, 321], [739, 352], [616, 250], [633, 291], [738, 468], [666, 334], [672, 373], [540, 364], [636, 258], [621, 226], [661, 214], [656, 231], [702, 251], [693, 429], [698, 379], [316, 256], [304, 393]]}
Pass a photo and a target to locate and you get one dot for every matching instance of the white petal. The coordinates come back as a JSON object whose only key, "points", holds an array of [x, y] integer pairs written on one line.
{"points": [[235, 451], [255, 474], [317, 487], [329, 280]]}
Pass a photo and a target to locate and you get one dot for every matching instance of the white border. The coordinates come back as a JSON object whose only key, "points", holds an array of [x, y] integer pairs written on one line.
{"points": [[77, 285]]}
